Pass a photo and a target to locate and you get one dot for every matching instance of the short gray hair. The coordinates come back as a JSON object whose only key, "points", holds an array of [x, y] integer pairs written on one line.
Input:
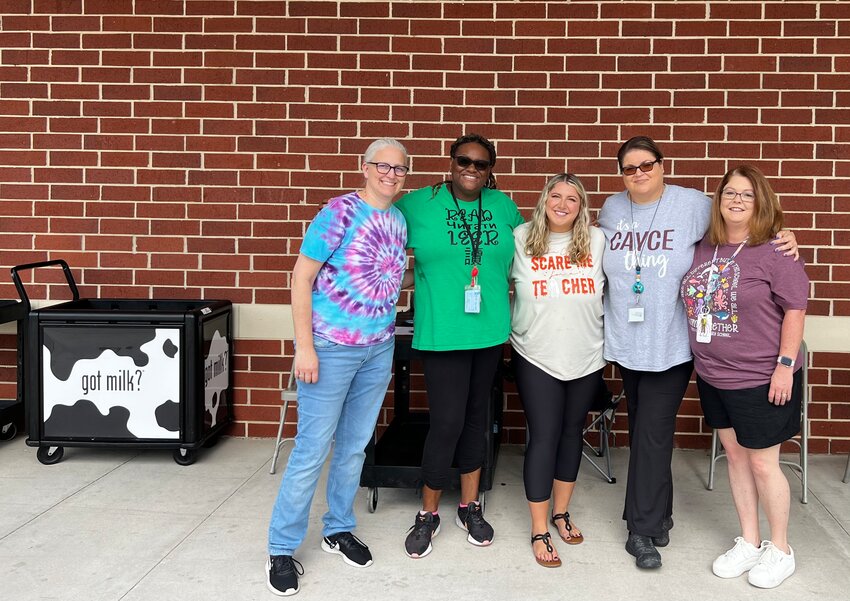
{"points": [[380, 144]]}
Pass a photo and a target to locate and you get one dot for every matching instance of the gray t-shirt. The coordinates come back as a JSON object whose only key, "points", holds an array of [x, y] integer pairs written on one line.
{"points": [[662, 236]]}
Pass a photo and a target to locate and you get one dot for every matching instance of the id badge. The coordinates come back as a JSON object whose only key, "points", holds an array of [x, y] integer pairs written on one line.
{"points": [[472, 299], [635, 314], [704, 328]]}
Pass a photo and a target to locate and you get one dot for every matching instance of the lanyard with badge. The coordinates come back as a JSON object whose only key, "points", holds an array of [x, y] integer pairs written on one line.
{"points": [[636, 312], [704, 319], [471, 292]]}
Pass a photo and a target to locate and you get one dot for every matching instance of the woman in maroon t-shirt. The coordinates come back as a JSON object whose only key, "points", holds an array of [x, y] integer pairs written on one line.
{"points": [[746, 306]]}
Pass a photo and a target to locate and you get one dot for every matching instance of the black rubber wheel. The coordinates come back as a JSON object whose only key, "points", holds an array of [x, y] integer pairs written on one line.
{"points": [[50, 455], [372, 499], [10, 432], [185, 456]]}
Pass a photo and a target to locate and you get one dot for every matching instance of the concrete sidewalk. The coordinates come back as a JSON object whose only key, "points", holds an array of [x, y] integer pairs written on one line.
{"points": [[134, 526]]}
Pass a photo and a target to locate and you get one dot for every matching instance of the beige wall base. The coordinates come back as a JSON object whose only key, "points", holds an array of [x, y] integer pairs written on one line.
{"points": [[274, 322]]}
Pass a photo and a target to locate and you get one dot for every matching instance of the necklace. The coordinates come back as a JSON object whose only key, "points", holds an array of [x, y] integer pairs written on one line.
{"points": [[638, 286]]}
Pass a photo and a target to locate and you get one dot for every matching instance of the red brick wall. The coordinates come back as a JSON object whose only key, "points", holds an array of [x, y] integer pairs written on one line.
{"points": [[169, 148]]}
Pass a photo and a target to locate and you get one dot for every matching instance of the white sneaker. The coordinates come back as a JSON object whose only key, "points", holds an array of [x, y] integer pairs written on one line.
{"points": [[737, 560], [773, 567]]}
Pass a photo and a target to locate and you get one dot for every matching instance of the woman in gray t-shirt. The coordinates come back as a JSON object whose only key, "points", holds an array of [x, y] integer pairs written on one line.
{"points": [[651, 230]]}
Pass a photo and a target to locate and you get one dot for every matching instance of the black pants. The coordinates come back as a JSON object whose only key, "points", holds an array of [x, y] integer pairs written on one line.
{"points": [[653, 402], [555, 411], [459, 385]]}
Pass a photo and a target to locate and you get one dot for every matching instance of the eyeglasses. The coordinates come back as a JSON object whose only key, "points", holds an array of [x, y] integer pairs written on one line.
{"points": [[746, 197], [463, 162], [646, 167], [384, 168]]}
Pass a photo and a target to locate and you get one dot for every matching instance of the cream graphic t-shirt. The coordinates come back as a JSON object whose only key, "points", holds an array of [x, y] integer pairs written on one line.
{"points": [[556, 319]]}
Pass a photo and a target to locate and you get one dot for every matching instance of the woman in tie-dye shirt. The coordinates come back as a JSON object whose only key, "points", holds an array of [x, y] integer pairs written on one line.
{"points": [[345, 286]]}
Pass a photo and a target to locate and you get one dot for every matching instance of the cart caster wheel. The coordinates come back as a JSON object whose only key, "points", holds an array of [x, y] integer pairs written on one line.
{"points": [[372, 499], [185, 456], [613, 480], [9, 432], [50, 455]]}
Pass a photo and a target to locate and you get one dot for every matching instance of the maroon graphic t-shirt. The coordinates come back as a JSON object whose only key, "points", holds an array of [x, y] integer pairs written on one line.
{"points": [[747, 299]]}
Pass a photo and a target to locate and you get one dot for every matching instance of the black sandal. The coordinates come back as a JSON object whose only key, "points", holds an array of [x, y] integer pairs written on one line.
{"points": [[546, 563], [572, 539]]}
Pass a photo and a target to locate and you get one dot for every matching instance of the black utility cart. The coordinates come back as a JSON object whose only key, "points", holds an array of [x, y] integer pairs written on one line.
{"points": [[393, 459], [11, 410], [125, 372]]}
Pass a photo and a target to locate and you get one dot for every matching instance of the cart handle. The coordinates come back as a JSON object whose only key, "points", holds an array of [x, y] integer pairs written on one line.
{"points": [[19, 286]]}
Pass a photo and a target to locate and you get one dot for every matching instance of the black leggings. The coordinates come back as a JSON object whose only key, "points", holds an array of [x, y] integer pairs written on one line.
{"points": [[653, 402], [555, 411], [459, 385]]}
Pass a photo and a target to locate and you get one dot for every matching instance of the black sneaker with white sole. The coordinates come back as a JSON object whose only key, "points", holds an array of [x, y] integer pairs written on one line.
{"points": [[352, 549], [282, 573], [418, 541], [471, 519]]}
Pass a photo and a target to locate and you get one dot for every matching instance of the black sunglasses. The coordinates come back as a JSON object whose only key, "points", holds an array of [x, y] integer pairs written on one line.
{"points": [[463, 162]]}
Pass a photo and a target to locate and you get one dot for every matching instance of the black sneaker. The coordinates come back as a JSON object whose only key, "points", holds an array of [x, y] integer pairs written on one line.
{"points": [[664, 539], [646, 555], [352, 549], [471, 519], [418, 541], [282, 575]]}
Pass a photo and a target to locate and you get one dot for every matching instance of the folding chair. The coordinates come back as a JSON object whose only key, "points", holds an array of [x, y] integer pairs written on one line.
{"points": [[605, 405], [801, 466], [290, 393]]}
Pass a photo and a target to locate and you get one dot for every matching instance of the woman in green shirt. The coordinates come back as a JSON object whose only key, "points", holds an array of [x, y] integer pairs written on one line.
{"points": [[461, 233]]}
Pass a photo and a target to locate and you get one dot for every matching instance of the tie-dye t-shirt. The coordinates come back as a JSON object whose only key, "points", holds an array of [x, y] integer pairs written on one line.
{"points": [[356, 289]]}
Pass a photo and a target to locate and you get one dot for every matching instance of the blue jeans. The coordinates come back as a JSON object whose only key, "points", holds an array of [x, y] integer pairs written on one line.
{"points": [[342, 406]]}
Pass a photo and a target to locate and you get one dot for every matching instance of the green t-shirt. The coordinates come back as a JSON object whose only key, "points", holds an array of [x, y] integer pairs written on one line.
{"points": [[443, 268]]}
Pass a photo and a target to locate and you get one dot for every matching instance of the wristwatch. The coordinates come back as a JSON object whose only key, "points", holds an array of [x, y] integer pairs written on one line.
{"points": [[786, 361]]}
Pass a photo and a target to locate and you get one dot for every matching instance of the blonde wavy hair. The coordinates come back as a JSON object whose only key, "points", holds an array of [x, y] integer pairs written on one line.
{"points": [[537, 242]]}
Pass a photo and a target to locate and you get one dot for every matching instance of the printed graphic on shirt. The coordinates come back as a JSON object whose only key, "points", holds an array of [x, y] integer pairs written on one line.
{"points": [[459, 234], [555, 276], [721, 297], [650, 247]]}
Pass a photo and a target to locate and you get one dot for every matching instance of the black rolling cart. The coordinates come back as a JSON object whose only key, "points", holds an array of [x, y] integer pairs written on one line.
{"points": [[393, 459], [125, 372], [11, 410]]}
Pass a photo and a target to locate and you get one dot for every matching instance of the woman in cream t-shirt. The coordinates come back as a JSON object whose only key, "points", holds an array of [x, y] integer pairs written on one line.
{"points": [[556, 334]]}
